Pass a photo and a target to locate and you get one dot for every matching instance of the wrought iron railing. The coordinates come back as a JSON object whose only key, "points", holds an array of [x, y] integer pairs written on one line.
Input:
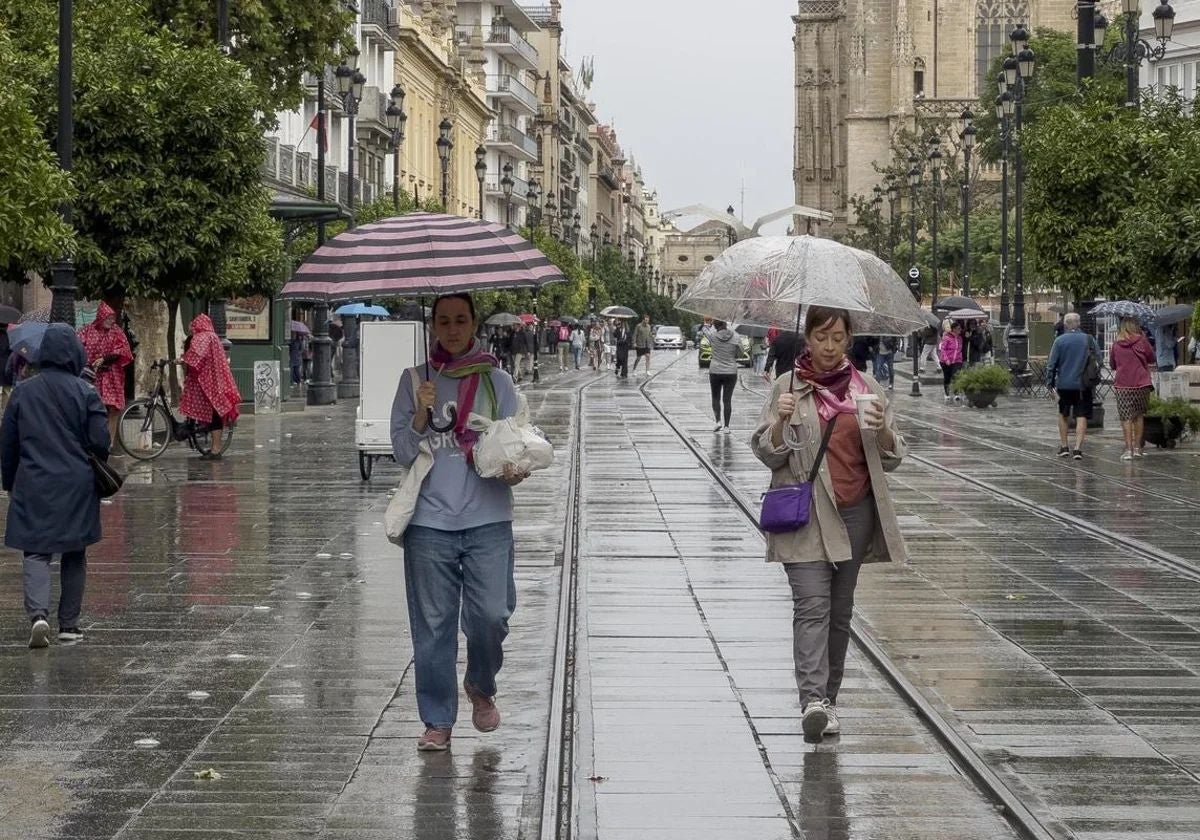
{"points": [[509, 35], [512, 85]]}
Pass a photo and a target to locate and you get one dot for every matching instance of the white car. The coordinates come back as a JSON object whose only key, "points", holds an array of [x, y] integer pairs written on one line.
{"points": [[668, 338]]}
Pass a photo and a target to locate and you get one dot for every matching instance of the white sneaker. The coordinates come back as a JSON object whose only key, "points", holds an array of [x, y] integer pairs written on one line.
{"points": [[39, 634], [948, 398], [1126, 456], [833, 726], [814, 719], [718, 427]]}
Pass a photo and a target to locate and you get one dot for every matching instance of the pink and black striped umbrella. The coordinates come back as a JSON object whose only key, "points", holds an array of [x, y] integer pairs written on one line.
{"points": [[420, 254]]}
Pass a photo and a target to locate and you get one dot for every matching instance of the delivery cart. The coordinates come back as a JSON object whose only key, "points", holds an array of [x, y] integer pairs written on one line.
{"points": [[385, 350]]}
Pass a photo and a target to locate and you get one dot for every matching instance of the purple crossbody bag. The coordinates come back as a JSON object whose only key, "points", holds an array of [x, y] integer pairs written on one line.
{"points": [[786, 509]]}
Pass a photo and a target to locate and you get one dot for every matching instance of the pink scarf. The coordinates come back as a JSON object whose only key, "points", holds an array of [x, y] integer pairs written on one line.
{"points": [[829, 404], [468, 369]]}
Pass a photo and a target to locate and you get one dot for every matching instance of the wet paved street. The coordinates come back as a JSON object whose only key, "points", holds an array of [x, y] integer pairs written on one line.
{"points": [[248, 616]]}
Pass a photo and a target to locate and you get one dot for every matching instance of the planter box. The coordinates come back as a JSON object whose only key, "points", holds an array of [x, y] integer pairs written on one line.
{"points": [[981, 399]]}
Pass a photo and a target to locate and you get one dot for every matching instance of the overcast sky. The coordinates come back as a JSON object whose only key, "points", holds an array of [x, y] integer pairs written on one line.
{"points": [[700, 93]]}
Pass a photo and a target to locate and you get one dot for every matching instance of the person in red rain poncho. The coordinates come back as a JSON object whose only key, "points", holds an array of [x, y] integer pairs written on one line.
{"points": [[210, 396], [108, 353]]}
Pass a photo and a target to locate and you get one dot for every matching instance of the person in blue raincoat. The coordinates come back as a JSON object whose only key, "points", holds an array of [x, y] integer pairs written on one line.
{"points": [[52, 422]]}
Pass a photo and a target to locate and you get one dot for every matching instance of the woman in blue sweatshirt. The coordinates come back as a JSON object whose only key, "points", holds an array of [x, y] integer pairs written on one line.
{"points": [[458, 548]]}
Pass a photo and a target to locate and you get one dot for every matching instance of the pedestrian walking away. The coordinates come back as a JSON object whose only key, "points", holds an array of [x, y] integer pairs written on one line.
{"points": [[296, 347], [578, 345], [108, 352], [781, 355], [643, 343], [950, 354], [458, 547], [621, 339], [595, 345], [725, 345], [929, 347], [852, 520], [1130, 358], [516, 349], [210, 397], [564, 346], [52, 424], [1065, 369], [1166, 344], [884, 366]]}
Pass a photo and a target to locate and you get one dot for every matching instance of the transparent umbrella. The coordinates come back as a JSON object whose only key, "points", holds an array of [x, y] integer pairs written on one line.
{"points": [[772, 280]]}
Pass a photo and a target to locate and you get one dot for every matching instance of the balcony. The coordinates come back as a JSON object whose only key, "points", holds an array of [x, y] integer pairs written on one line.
{"points": [[510, 89], [379, 22], [541, 15], [610, 177], [584, 148], [520, 188], [372, 114], [508, 41], [514, 141]]}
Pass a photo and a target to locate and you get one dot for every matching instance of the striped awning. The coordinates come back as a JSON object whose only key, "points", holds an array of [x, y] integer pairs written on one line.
{"points": [[420, 254]]}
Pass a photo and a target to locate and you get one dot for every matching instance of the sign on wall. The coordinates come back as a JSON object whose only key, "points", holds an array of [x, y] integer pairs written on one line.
{"points": [[248, 319]]}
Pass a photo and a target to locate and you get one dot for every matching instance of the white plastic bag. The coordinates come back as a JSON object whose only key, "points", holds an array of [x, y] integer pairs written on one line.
{"points": [[404, 500], [510, 441]]}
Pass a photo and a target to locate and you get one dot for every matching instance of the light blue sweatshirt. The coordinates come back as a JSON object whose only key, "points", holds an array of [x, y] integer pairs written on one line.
{"points": [[454, 497]]}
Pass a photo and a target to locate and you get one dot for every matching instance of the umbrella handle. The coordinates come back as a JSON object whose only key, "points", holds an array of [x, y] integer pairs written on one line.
{"points": [[442, 429]]}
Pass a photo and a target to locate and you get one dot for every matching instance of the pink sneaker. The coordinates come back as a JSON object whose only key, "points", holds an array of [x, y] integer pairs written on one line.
{"points": [[485, 716], [434, 740]]}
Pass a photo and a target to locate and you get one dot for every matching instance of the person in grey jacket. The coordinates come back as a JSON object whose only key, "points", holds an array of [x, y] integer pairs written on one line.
{"points": [[722, 369], [52, 423]]}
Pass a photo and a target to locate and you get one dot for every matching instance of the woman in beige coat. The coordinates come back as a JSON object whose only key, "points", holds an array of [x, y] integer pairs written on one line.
{"points": [[852, 519]]}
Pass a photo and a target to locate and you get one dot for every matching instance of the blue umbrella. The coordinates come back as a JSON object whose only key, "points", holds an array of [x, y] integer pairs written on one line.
{"points": [[1127, 309], [26, 338], [362, 309]]}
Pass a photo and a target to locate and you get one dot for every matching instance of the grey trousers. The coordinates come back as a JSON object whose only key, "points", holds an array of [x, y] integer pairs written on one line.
{"points": [[37, 586], [822, 606]]}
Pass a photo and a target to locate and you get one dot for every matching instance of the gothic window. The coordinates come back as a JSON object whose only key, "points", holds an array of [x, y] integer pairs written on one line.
{"points": [[919, 78], [994, 20]]}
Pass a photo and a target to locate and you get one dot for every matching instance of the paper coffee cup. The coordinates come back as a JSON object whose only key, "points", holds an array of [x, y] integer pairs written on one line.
{"points": [[861, 401]]}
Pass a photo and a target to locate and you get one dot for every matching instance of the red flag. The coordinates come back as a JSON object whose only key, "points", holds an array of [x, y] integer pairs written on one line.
{"points": [[315, 124]]}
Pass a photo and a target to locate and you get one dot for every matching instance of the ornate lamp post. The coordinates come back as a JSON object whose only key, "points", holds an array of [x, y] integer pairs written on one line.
{"points": [[396, 121], [1132, 50], [967, 135], [935, 166], [62, 306], [1018, 70], [576, 228], [914, 273], [893, 194], [444, 145], [593, 238], [1004, 111], [533, 212], [877, 211], [506, 186], [350, 82], [551, 210], [480, 173]]}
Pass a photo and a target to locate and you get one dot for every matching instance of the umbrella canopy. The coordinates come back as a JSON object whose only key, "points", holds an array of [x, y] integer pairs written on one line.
{"points": [[301, 327], [26, 338], [617, 312], [41, 316], [949, 304], [774, 279], [360, 309], [9, 315], [527, 318], [752, 330], [967, 315], [503, 319], [1125, 309], [1174, 314], [933, 320], [420, 254], [568, 320]]}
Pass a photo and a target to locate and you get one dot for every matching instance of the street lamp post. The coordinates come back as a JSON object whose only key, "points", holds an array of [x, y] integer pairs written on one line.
{"points": [[914, 273], [444, 145], [62, 276], [321, 390], [593, 236], [893, 194], [396, 121], [1004, 108], [1131, 51], [480, 172], [533, 213], [350, 82], [576, 228], [551, 209], [506, 186], [967, 135], [935, 166], [1018, 70], [877, 212]]}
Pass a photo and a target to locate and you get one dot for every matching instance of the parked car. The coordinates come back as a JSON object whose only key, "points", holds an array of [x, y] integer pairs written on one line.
{"points": [[668, 338], [743, 351]]}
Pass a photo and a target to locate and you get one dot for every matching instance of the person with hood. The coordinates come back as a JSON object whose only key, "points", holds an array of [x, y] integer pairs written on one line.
{"points": [[1130, 358], [210, 397], [53, 422], [950, 354], [108, 352], [852, 520], [722, 369], [621, 339], [458, 546]]}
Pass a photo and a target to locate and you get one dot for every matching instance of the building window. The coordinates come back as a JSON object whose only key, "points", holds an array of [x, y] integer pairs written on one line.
{"points": [[919, 78], [994, 20]]}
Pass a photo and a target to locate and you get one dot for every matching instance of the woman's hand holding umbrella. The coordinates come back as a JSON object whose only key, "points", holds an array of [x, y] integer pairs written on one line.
{"points": [[426, 399]]}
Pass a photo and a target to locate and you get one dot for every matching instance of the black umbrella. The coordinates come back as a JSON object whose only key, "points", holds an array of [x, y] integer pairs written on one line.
{"points": [[949, 304], [752, 331], [1174, 314], [9, 315], [568, 320]]}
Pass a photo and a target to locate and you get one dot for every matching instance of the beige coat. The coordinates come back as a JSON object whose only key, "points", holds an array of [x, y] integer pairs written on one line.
{"points": [[825, 537]]}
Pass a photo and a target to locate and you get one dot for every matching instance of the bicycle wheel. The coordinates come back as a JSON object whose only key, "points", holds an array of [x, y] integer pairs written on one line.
{"points": [[204, 442], [144, 429]]}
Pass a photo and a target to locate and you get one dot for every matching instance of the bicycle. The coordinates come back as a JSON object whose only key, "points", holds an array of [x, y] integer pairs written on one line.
{"points": [[147, 426]]}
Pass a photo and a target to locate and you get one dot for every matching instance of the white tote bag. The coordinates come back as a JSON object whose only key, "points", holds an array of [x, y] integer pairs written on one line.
{"points": [[404, 499]]}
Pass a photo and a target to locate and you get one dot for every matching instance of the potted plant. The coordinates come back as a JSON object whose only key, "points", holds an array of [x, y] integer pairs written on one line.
{"points": [[982, 384], [1166, 420]]}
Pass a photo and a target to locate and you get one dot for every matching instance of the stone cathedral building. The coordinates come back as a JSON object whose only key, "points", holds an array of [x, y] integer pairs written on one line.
{"points": [[865, 69]]}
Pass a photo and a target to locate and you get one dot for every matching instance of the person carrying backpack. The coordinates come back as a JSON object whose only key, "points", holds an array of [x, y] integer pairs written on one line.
{"points": [[564, 346]]}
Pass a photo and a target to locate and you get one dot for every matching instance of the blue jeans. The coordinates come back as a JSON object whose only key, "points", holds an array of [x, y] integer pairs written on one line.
{"points": [[885, 373], [448, 574]]}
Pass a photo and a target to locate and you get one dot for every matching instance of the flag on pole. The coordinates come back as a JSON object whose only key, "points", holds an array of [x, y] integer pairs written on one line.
{"points": [[315, 124]]}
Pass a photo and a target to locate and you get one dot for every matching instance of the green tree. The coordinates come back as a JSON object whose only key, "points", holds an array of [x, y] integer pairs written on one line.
{"points": [[31, 185], [277, 41]]}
